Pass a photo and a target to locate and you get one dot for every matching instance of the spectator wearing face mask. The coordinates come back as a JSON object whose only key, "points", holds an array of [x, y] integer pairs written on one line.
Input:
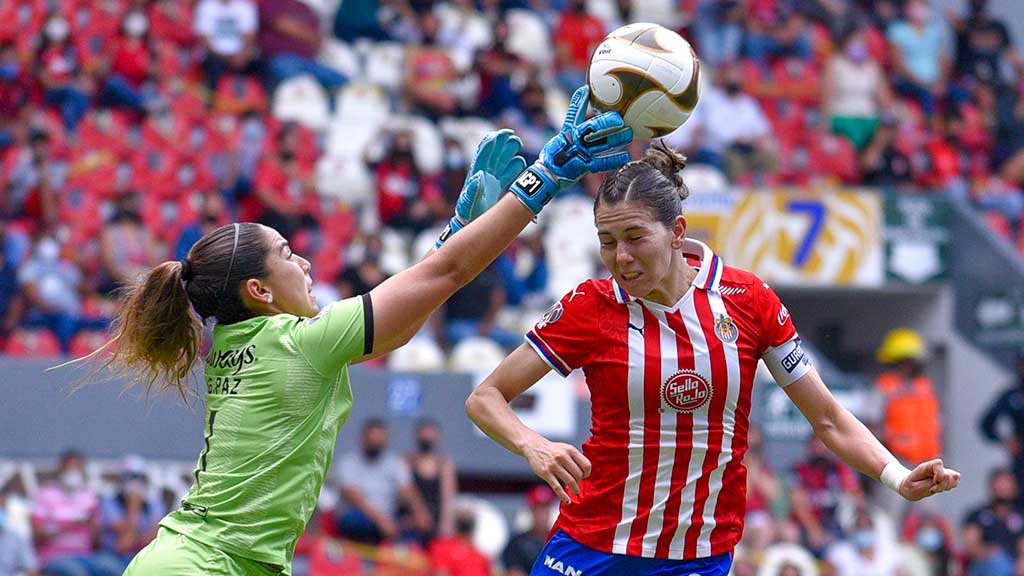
{"points": [[132, 64], [51, 286], [373, 481], [732, 129], [406, 199], [212, 213], [31, 191], [497, 64], [59, 69], [433, 473], [992, 530], [932, 533], [16, 554], [863, 554], [66, 521], [456, 555], [855, 91], [129, 516], [921, 54], [127, 249]]}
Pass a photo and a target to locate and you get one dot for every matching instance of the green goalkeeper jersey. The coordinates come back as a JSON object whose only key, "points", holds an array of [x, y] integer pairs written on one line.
{"points": [[277, 393]]}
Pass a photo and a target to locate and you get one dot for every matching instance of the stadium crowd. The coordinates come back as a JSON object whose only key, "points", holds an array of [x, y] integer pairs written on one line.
{"points": [[382, 512], [129, 128]]}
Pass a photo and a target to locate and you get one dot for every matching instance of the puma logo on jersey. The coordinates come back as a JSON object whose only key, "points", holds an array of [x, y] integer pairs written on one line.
{"points": [[631, 326], [731, 290], [561, 568], [576, 292]]}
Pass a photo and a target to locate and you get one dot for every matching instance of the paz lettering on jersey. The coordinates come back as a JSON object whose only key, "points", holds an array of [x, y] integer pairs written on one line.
{"points": [[686, 391]]}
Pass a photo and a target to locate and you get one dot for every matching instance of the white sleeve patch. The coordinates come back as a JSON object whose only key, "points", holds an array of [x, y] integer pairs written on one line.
{"points": [[787, 362]]}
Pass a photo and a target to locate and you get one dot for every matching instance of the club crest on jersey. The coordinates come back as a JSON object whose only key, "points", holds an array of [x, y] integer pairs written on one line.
{"points": [[551, 316], [686, 391], [726, 329]]}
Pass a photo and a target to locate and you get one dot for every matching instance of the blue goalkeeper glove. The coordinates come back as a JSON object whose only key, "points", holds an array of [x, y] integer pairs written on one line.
{"points": [[495, 164], [580, 147]]}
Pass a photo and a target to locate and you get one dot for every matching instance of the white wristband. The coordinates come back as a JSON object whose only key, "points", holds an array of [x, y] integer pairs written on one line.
{"points": [[893, 475]]}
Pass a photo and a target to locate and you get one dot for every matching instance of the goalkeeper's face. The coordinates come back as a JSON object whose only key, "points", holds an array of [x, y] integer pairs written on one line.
{"points": [[288, 280]]}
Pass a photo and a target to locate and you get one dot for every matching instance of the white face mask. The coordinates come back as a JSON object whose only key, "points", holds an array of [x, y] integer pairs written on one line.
{"points": [[136, 24], [48, 250], [56, 29], [72, 480]]}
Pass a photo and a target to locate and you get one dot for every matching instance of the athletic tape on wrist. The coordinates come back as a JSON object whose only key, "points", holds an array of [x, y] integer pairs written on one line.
{"points": [[893, 475]]}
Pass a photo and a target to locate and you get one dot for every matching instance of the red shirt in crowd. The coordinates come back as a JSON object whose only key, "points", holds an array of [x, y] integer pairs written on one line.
{"points": [[454, 556], [579, 34]]}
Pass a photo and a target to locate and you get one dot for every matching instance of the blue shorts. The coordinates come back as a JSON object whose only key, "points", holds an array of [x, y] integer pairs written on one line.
{"points": [[564, 556]]}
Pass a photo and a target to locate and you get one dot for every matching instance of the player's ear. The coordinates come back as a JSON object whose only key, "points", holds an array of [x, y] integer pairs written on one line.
{"points": [[678, 232], [254, 289]]}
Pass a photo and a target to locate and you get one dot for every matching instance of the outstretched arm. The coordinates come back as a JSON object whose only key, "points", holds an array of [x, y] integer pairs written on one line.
{"points": [[849, 439]]}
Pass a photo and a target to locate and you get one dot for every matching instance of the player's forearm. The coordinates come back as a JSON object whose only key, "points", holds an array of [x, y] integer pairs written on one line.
{"points": [[851, 440], [467, 253], [490, 411]]}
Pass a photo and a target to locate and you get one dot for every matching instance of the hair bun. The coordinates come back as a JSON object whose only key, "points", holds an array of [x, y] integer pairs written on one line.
{"points": [[669, 163]]}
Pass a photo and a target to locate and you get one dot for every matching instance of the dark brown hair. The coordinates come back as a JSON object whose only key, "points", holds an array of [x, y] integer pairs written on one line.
{"points": [[653, 181], [159, 329]]}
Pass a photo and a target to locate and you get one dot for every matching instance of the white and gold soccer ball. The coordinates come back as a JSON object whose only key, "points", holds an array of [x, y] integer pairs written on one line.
{"points": [[648, 74]]}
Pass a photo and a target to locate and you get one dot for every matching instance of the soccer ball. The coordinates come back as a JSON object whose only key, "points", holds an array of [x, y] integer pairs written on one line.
{"points": [[648, 74]]}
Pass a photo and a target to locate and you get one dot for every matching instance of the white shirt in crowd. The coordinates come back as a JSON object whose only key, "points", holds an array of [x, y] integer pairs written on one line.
{"points": [[849, 562], [722, 121], [226, 23], [854, 87]]}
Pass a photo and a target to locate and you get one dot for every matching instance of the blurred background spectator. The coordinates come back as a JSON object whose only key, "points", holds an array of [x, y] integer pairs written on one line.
{"points": [[130, 515], [16, 553], [433, 473], [993, 530], [66, 522], [523, 548], [373, 483], [457, 555], [1003, 423]]}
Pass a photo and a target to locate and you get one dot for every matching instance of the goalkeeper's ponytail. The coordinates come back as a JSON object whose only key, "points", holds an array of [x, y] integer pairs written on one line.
{"points": [[158, 331]]}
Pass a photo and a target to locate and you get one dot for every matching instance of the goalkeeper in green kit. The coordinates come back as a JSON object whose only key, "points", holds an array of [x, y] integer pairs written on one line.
{"points": [[276, 377]]}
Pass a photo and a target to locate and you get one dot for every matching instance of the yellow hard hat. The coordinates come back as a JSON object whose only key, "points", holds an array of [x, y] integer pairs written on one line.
{"points": [[901, 344]]}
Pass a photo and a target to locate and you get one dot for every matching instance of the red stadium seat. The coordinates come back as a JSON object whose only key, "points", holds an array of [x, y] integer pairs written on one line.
{"points": [[240, 94], [329, 557], [87, 341], [32, 343], [835, 156], [999, 224]]}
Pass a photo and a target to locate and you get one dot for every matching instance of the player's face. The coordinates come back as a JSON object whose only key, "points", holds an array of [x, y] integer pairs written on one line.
{"points": [[288, 280], [639, 251]]}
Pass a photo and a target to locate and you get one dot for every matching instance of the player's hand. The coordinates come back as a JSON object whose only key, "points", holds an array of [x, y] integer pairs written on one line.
{"points": [[927, 479], [580, 147], [562, 466], [495, 164]]}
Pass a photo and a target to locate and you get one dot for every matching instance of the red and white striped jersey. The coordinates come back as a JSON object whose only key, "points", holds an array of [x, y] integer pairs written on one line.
{"points": [[670, 391]]}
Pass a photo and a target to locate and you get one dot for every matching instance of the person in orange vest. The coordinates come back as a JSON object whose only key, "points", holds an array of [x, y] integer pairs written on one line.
{"points": [[912, 414]]}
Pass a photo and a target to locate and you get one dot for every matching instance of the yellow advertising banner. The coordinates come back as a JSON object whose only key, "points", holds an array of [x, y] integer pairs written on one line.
{"points": [[797, 237]]}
